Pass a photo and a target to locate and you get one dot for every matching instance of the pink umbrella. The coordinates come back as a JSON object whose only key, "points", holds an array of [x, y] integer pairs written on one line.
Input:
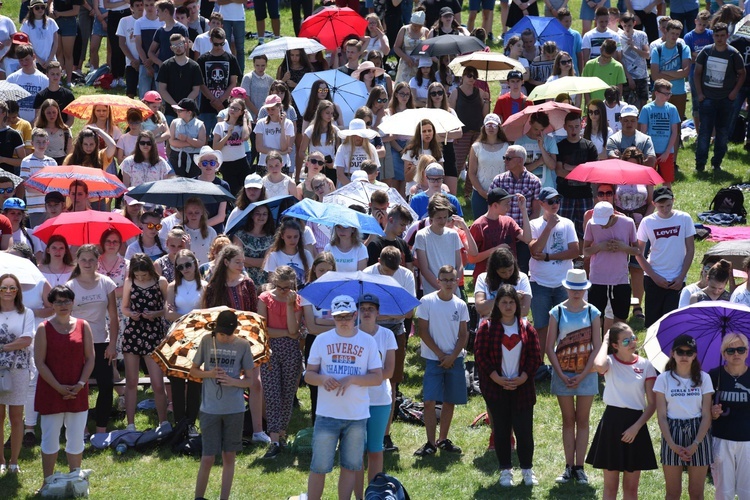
{"points": [[518, 124], [616, 172]]}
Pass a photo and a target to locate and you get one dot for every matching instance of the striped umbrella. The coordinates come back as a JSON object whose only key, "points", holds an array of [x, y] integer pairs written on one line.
{"points": [[58, 178]]}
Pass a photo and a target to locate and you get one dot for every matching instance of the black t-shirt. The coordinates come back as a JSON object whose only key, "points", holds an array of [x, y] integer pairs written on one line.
{"points": [[216, 71], [575, 154], [65, 5], [9, 141], [62, 95], [379, 243], [742, 45], [212, 208], [432, 10], [180, 80], [734, 395]]}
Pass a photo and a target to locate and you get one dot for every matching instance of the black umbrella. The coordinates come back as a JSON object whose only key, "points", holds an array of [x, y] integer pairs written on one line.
{"points": [[447, 45], [174, 192], [735, 251]]}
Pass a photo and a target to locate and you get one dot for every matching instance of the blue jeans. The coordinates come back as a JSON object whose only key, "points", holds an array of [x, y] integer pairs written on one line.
{"points": [[710, 109], [478, 204], [145, 82], [407, 6], [542, 300], [235, 31], [209, 120], [349, 435], [743, 94], [686, 18]]}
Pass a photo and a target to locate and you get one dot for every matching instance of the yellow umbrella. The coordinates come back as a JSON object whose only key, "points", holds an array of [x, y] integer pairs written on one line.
{"points": [[568, 85], [120, 104]]}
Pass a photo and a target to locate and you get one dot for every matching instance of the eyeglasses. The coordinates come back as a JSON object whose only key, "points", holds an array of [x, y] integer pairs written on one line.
{"points": [[344, 317], [565, 62], [605, 193], [319, 186], [151, 225], [315, 161], [145, 143], [403, 94], [235, 108], [209, 163], [11, 289], [731, 351], [626, 342], [62, 303], [684, 352], [219, 44], [507, 158], [665, 93], [594, 112], [382, 101], [323, 90], [7, 190], [185, 265], [553, 201], [435, 179], [436, 93]]}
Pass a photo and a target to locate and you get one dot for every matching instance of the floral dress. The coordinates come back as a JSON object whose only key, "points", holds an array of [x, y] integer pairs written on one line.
{"points": [[141, 336], [255, 248]]}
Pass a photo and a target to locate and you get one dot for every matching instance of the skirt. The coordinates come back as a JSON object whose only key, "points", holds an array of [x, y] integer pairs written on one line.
{"points": [[449, 160], [683, 433], [608, 451], [20, 378]]}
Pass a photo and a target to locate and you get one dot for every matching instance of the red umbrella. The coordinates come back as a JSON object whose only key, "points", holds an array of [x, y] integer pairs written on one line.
{"points": [[84, 227], [58, 178], [616, 172], [518, 124], [330, 25]]}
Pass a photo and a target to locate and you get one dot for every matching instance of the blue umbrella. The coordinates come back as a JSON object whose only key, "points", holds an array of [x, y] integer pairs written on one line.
{"points": [[348, 93], [334, 215], [394, 300], [238, 218]]}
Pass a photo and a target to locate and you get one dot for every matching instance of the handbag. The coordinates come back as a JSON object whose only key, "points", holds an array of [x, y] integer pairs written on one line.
{"points": [[6, 383], [72, 485]]}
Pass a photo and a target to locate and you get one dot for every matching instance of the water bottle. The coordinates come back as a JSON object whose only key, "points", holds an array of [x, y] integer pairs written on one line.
{"points": [[121, 448]]}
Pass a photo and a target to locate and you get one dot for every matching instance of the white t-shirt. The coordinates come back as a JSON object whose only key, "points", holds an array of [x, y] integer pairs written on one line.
{"points": [[687, 292], [593, 41], [234, 149], [613, 116], [339, 357], [41, 38], [279, 258], [381, 395], [271, 134], [403, 276], [232, 11], [346, 262], [153, 251], [741, 295], [357, 157], [328, 149], [200, 245], [33, 84], [274, 189], [18, 325], [7, 28], [126, 29], [203, 44], [445, 317], [439, 248], [683, 400], [625, 382], [91, 305], [551, 274], [667, 237], [511, 357], [523, 285]]}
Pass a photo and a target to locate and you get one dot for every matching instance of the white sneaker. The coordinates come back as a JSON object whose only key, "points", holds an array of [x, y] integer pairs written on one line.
{"points": [[164, 428], [193, 431], [506, 478], [130, 427], [529, 478], [261, 437]]}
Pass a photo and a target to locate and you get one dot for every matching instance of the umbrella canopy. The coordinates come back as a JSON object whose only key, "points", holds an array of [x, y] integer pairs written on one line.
{"points": [[518, 124], [350, 94], [331, 25], [176, 352], [80, 228], [83, 106], [447, 45], [278, 48], [16, 180], [568, 85], [175, 191], [12, 91], [334, 215], [405, 122], [360, 192], [492, 66], [23, 269], [615, 171], [546, 29], [58, 178], [741, 29], [394, 300], [734, 251], [707, 322], [238, 218]]}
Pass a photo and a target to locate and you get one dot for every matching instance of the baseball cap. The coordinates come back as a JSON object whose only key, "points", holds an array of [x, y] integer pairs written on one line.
{"points": [[369, 298], [492, 118], [20, 38], [547, 193], [434, 170], [187, 104], [238, 92], [515, 75], [360, 175], [628, 110], [424, 62], [14, 204], [226, 322], [496, 195], [684, 340], [152, 96], [343, 304], [445, 11], [253, 181], [602, 212], [663, 193], [54, 197]]}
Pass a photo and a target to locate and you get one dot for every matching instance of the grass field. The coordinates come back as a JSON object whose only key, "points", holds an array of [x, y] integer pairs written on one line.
{"points": [[160, 475]]}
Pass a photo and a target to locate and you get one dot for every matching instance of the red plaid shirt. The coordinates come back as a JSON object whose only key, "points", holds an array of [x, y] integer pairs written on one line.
{"points": [[488, 355], [528, 185]]}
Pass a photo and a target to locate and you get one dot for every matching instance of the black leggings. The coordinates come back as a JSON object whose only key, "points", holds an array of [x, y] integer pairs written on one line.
{"points": [[105, 383], [185, 407], [506, 420], [118, 56], [313, 388], [306, 6]]}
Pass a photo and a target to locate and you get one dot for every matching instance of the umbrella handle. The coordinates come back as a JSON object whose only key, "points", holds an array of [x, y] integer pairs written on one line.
{"points": [[716, 401]]}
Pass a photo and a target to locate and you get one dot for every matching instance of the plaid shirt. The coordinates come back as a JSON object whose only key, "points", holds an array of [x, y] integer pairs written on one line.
{"points": [[528, 185], [488, 355]]}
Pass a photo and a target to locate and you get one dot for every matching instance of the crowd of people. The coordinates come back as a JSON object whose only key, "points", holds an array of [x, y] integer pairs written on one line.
{"points": [[573, 254]]}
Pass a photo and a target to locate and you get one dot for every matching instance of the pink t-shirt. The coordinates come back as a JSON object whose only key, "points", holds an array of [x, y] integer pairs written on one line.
{"points": [[276, 310], [610, 268]]}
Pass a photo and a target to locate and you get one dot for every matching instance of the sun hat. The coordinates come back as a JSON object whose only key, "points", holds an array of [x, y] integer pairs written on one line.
{"points": [[547, 193], [360, 175], [492, 118], [424, 62], [602, 212], [37, 2], [497, 195], [576, 280], [367, 66], [226, 322], [418, 17], [663, 193], [343, 304], [359, 128], [208, 151], [152, 96], [271, 101], [253, 181], [628, 110], [434, 170], [369, 298], [14, 204], [186, 104]]}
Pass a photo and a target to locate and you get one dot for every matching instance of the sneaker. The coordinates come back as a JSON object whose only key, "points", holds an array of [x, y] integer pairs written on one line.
{"points": [[566, 476], [426, 449], [491, 446], [388, 444], [700, 168], [273, 451], [3, 469], [164, 428], [192, 431], [261, 437], [580, 476], [447, 445], [130, 427], [13, 469], [506, 478], [29, 439], [529, 478]]}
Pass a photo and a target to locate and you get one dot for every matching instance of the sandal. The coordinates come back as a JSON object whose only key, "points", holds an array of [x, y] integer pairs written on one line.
{"points": [[638, 313]]}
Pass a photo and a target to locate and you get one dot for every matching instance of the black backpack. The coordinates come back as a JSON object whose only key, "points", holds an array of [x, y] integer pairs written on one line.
{"points": [[385, 487], [729, 201]]}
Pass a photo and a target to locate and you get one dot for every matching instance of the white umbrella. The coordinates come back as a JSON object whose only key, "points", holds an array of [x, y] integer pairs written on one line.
{"points": [[405, 122], [12, 92], [568, 85], [360, 192], [23, 269], [491, 66], [278, 48]]}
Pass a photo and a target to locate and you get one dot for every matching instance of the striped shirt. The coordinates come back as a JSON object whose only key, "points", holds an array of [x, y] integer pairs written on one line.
{"points": [[29, 166]]}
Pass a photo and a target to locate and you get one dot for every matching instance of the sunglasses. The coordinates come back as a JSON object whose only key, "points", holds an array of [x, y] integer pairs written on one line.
{"points": [[315, 161], [382, 101], [684, 352], [435, 179], [181, 267], [553, 201], [319, 186], [177, 45], [731, 351], [219, 44], [62, 303], [151, 225], [605, 193], [40, 7], [8, 288], [508, 158], [323, 90], [436, 93], [368, 124], [566, 61], [145, 143], [626, 342], [7, 190], [594, 112], [209, 163], [473, 77]]}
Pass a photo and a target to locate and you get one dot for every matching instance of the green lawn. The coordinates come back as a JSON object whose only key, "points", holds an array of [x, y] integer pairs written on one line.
{"points": [[160, 475]]}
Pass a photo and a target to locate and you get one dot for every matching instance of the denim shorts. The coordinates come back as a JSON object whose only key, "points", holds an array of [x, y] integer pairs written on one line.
{"points": [[221, 433], [376, 425], [475, 5], [98, 29], [67, 26], [589, 386], [448, 386], [542, 300], [350, 437], [587, 13]]}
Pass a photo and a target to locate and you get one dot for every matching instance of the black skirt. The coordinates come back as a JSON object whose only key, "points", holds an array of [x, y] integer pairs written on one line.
{"points": [[449, 160], [609, 452]]}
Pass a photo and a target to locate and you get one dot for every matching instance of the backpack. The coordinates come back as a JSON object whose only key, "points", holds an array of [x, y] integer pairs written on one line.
{"points": [[679, 48], [385, 487], [303, 442], [729, 201]]}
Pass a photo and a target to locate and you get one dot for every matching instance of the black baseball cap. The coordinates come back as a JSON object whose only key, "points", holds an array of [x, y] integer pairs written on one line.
{"points": [[497, 195], [663, 193]]}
